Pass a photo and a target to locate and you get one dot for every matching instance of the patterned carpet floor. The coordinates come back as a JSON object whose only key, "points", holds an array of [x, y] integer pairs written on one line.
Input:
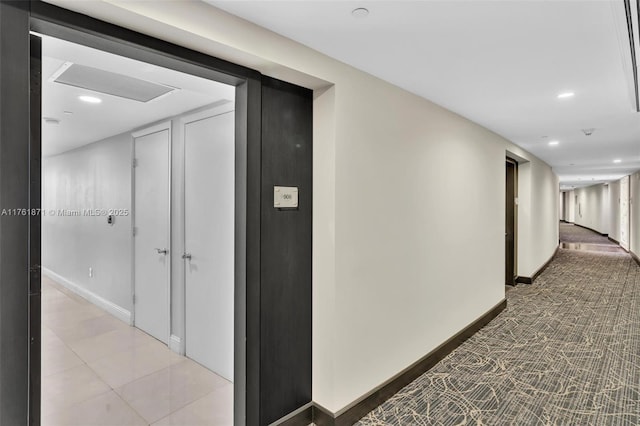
{"points": [[565, 351], [570, 233]]}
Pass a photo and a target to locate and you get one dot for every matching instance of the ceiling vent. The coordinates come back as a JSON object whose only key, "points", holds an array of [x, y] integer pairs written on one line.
{"points": [[110, 83]]}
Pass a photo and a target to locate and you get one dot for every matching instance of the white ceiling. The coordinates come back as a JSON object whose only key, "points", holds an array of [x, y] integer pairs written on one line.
{"points": [[498, 63], [89, 123]]}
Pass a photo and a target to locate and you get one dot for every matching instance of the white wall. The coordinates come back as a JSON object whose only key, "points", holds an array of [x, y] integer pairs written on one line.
{"points": [[605, 210], [96, 176], [408, 202], [614, 210], [538, 231], [572, 206], [592, 208], [634, 181]]}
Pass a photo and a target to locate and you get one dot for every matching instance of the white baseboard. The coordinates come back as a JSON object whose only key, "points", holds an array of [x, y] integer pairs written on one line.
{"points": [[175, 344], [115, 310]]}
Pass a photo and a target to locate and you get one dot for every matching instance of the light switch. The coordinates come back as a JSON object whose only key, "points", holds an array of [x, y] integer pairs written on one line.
{"points": [[285, 197]]}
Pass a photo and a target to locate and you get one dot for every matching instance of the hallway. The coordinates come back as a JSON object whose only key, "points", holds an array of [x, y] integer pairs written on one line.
{"points": [[566, 350]]}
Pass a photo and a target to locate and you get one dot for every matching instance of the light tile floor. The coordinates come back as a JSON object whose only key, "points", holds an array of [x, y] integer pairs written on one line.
{"points": [[97, 370]]}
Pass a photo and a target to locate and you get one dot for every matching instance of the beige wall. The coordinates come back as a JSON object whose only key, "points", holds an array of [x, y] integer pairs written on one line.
{"points": [[572, 206], [634, 181], [614, 210], [593, 208], [408, 202], [537, 216]]}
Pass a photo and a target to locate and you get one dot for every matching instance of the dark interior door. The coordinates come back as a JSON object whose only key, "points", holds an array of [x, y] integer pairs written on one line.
{"points": [[510, 222]]}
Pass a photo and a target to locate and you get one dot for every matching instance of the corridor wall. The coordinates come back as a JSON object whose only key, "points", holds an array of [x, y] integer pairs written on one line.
{"points": [[408, 220], [614, 210], [75, 184], [592, 208], [635, 214], [572, 206], [537, 216]]}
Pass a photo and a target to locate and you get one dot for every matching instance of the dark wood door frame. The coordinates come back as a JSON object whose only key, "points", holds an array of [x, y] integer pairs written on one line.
{"points": [[14, 228], [19, 261], [511, 193], [35, 200]]}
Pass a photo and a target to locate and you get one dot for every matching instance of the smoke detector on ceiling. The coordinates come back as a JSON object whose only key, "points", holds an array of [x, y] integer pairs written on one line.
{"points": [[588, 132]]}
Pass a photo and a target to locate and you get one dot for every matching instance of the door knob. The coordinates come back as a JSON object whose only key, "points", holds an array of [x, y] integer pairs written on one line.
{"points": [[162, 251], [186, 256]]}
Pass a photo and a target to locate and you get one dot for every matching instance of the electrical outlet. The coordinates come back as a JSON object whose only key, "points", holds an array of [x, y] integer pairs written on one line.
{"points": [[90, 272]]}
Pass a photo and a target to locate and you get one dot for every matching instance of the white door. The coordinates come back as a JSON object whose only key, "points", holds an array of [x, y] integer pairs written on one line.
{"points": [[624, 213], [151, 231], [209, 241]]}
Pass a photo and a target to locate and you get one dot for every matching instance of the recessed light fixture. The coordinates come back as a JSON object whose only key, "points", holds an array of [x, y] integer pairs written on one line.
{"points": [[553, 143], [68, 112], [360, 12], [565, 95], [617, 160], [90, 99]]}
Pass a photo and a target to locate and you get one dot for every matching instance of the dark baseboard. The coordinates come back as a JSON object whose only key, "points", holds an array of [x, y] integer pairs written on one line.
{"points": [[613, 240], [322, 417], [303, 416], [591, 229], [530, 280], [524, 280], [635, 257]]}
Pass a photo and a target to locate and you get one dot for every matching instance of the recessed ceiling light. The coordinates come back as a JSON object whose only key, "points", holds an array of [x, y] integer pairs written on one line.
{"points": [[90, 99], [553, 143], [68, 112], [617, 160], [360, 12], [565, 95]]}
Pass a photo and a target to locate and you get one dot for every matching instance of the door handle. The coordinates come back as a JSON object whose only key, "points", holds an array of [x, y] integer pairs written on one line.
{"points": [[162, 251], [186, 256]]}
